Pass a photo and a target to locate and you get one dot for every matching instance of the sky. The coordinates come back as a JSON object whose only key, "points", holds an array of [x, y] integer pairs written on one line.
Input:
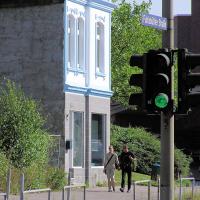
{"points": [[179, 7]]}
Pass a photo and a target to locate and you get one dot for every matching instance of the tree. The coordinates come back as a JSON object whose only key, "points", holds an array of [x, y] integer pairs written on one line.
{"points": [[129, 37], [23, 139]]}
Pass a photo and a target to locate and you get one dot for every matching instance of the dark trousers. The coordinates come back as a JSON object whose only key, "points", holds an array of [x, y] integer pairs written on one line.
{"points": [[129, 173]]}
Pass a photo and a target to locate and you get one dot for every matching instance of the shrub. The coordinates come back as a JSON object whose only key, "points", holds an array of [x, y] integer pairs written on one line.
{"points": [[146, 147], [56, 178]]}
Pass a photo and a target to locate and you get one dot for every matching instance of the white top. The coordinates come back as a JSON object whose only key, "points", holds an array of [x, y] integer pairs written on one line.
{"points": [[114, 159]]}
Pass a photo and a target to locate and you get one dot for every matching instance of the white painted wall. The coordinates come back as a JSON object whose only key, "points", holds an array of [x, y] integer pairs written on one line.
{"points": [[95, 82], [89, 79]]}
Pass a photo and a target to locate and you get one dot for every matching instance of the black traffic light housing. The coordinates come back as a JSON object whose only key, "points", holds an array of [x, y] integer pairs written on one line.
{"points": [[155, 81], [159, 81], [188, 79], [138, 80]]}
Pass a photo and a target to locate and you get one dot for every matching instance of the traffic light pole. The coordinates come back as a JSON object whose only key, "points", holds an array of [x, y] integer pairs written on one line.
{"points": [[167, 119]]}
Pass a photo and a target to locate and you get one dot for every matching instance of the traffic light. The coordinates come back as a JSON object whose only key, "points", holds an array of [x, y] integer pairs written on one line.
{"points": [[138, 80], [188, 79], [158, 80]]}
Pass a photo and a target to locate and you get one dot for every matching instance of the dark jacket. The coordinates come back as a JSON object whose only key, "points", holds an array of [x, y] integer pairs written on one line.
{"points": [[125, 161]]}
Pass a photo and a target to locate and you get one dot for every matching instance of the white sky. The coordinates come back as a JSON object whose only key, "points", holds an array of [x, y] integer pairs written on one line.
{"points": [[179, 7]]}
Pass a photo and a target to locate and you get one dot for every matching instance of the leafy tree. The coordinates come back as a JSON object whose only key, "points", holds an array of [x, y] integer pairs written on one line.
{"points": [[129, 37], [146, 148], [22, 137]]}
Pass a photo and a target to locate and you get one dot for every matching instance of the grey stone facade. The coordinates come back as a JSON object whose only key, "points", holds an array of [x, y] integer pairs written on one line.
{"points": [[88, 105], [31, 54]]}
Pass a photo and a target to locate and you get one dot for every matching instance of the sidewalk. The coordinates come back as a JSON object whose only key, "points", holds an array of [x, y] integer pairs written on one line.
{"points": [[97, 193]]}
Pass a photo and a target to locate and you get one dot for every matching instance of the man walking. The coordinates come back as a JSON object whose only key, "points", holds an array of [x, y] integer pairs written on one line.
{"points": [[125, 159]]}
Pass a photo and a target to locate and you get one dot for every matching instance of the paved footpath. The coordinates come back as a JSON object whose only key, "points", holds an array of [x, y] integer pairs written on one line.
{"points": [[98, 193]]}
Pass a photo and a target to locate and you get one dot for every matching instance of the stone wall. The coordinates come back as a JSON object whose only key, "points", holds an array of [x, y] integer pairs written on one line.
{"points": [[31, 54]]}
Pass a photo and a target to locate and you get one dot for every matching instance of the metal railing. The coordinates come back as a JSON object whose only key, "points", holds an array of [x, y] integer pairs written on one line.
{"points": [[22, 191], [144, 181], [181, 187], [37, 191], [4, 194], [69, 187]]}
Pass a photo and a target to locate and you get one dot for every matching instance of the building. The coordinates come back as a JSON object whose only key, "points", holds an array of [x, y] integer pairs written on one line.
{"points": [[59, 52]]}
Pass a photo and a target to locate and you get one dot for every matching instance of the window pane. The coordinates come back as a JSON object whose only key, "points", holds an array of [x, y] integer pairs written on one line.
{"points": [[100, 48], [80, 33], [71, 41], [98, 139], [78, 139]]}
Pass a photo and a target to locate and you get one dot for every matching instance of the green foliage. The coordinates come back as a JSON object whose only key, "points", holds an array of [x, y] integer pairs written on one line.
{"points": [[56, 178], [22, 138], [146, 147], [38, 175], [129, 37]]}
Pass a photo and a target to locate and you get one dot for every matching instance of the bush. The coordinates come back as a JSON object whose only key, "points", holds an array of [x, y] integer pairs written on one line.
{"points": [[146, 147], [56, 178], [39, 175], [23, 139]]}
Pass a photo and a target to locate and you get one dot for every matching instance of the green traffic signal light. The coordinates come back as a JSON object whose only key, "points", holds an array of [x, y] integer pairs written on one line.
{"points": [[161, 100]]}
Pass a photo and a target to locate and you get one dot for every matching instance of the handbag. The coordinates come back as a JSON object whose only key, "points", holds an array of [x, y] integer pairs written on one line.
{"points": [[107, 163]]}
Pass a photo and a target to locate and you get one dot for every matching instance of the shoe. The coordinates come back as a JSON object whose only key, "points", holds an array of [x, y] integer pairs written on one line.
{"points": [[128, 191], [109, 190], [113, 189], [121, 189]]}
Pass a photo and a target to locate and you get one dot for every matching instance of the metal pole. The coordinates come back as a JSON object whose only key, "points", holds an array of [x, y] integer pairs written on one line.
{"points": [[49, 195], [84, 195], [134, 190], [149, 190], [180, 194], [69, 183], [8, 180], [167, 120], [158, 189], [22, 187], [63, 194], [193, 184]]}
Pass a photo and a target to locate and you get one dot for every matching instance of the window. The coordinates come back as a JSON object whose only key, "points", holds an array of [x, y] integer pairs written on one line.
{"points": [[78, 139], [98, 139], [71, 41], [80, 45], [99, 48]]}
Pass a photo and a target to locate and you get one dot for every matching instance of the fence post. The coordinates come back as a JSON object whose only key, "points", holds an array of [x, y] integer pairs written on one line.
{"points": [[49, 195], [134, 184], [63, 194], [180, 194], [69, 183], [193, 184], [149, 190], [84, 195], [8, 180], [158, 189], [22, 186]]}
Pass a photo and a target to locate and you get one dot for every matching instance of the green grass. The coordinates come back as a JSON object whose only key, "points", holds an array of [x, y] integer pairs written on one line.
{"points": [[139, 177], [188, 196], [135, 177]]}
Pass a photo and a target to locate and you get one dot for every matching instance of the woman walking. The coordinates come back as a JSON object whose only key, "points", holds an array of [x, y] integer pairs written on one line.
{"points": [[111, 160]]}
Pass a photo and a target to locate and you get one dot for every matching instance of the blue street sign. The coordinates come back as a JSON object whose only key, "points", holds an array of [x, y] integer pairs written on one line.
{"points": [[154, 21]]}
